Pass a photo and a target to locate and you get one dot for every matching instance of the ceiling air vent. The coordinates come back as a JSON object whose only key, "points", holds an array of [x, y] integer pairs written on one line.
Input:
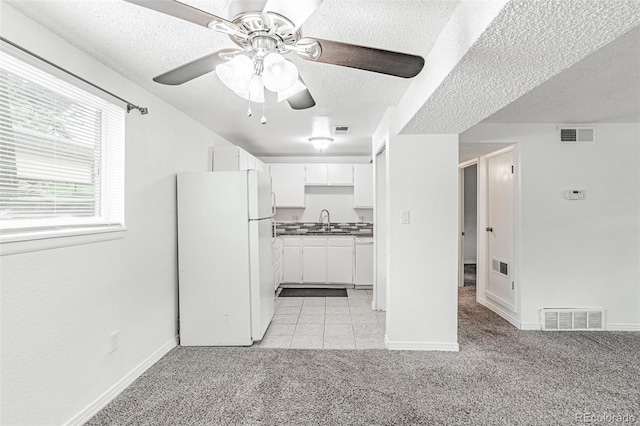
{"points": [[341, 130], [577, 134], [569, 319]]}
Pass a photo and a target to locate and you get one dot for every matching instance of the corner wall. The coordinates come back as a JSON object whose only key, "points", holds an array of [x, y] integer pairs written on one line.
{"points": [[60, 305], [576, 253], [422, 262]]}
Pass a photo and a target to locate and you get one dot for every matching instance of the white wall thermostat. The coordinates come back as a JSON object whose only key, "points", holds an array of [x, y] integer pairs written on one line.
{"points": [[574, 194]]}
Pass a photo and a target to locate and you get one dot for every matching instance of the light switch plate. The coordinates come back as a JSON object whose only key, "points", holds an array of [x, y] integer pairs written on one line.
{"points": [[404, 217]]}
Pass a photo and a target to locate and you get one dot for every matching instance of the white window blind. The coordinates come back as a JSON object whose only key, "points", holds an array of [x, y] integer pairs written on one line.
{"points": [[61, 152]]}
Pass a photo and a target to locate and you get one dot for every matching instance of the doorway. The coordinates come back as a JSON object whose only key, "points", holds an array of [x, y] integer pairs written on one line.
{"points": [[380, 242], [488, 233], [498, 213], [468, 200]]}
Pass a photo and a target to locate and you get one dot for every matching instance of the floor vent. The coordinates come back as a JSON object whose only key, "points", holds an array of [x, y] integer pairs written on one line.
{"points": [[577, 134], [572, 319]]}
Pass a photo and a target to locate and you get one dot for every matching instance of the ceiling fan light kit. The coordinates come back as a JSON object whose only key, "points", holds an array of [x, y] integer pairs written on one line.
{"points": [[320, 142], [263, 37], [278, 74]]}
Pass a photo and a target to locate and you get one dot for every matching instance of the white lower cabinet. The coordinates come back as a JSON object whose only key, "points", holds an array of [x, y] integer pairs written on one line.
{"points": [[292, 260], [318, 260], [364, 261], [277, 261], [340, 260], [314, 260]]}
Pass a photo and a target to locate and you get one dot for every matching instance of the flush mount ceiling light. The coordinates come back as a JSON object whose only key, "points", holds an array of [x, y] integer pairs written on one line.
{"points": [[264, 31], [321, 142]]}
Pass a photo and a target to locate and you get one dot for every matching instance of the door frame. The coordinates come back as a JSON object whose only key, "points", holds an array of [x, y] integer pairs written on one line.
{"points": [[461, 168], [482, 270], [380, 202]]}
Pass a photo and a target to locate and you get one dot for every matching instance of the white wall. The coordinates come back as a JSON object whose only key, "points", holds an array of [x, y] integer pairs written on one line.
{"points": [[422, 177], [59, 305], [470, 213], [577, 253]]}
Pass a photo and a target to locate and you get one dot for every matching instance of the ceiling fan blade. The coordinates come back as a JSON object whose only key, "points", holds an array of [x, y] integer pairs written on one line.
{"points": [[364, 58], [297, 11], [301, 100], [180, 10], [193, 69]]}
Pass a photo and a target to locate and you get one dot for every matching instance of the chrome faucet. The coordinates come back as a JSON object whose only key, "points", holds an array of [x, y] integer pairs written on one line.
{"points": [[328, 224]]}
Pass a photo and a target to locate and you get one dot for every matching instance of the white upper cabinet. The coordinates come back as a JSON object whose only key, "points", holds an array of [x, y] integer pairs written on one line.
{"points": [[287, 183], [340, 174], [317, 174], [363, 186], [329, 174], [232, 159]]}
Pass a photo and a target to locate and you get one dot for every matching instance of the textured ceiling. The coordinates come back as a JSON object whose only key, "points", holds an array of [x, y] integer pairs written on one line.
{"points": [[141, 44], [528, 43], [538, 61], [603, 87]]}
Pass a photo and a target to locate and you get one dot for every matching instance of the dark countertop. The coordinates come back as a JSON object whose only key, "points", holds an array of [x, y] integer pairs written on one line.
{"points": [[357, 229]]}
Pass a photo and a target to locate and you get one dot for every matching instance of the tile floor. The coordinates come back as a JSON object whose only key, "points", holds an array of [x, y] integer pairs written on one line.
{"points": [[326, 323]]}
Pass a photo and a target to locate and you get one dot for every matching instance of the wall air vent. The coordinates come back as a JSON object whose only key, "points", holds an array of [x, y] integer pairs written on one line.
{"points": [[570, 319], [340, 130], [570, 134]]}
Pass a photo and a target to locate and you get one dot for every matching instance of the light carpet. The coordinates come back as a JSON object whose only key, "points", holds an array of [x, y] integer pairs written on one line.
{"points": [[501, 376]]}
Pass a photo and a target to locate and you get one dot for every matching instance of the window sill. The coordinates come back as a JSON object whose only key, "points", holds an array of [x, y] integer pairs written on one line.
{"points": [[25, 241]]}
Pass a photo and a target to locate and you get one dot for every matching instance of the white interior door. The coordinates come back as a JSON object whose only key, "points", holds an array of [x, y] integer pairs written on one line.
{"points": [[500, 229]]}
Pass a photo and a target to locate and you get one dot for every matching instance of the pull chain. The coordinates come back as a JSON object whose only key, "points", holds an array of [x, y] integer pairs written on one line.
{"points": [[263, 120]]}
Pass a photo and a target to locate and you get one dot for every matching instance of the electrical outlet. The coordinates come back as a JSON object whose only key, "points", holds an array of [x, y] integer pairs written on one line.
{"points": [[294, 218], [114, 341], [361, 219]]}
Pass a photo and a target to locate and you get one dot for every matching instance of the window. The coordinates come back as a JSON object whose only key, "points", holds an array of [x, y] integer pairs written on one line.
{"points": [[61, 153]]}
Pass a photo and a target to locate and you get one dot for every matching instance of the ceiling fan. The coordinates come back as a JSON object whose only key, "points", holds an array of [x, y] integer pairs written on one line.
{"points": [[264, 31]]}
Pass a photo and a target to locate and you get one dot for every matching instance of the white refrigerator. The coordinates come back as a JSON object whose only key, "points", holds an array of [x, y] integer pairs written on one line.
{"points": [[226, 279]]}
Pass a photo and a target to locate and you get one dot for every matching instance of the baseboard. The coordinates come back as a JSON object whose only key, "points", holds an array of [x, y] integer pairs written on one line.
{"points": [[420, 346], [622, 327], [97, 405], [506, 315], [530, 326]]}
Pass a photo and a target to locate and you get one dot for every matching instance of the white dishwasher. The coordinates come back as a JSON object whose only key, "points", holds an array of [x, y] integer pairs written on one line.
{"points": [[364, 262]]}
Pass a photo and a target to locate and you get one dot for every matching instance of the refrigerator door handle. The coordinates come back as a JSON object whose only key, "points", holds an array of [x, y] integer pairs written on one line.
{"points": [[273, 204]]}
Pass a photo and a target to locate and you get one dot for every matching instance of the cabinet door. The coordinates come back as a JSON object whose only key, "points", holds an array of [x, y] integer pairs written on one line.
{"points": [[340, 174], [225, 158], [287, 182], [291, 264], [243, 159], [363, 186], [364, 263], [277, 261], [316, 174], [314, 260], [251, 162], [340, 260]]}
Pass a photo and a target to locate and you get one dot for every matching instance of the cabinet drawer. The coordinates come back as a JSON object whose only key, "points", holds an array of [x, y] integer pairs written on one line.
{"points": [[340, 242], [314, 242]]}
